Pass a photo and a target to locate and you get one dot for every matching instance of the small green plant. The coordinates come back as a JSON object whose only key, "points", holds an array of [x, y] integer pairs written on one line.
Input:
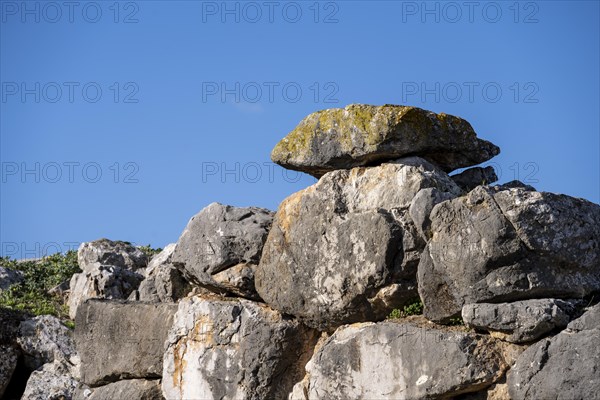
{"points": [[40, 276], [456, 321], [69, 324], [150, 252], [414, 308]]}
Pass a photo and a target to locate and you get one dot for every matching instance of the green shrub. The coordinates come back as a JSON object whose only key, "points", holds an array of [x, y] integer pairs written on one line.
{"points": [[414, 308], [31, 295], [456, 321], [150, 252]]}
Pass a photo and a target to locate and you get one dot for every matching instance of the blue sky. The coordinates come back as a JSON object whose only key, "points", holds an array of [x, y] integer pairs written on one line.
{"points": [[123, 120]]}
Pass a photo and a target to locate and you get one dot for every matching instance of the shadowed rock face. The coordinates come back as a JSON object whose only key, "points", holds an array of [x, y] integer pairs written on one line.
{"points": [[389, 360], [233, 349], [362, 134], [346, 249], [503, 244]]}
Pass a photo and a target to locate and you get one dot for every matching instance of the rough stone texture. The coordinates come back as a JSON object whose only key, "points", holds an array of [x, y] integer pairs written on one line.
{"points": [[500, 245], [391, 360], [564, 367], [45, 339], [51, 382], [219, 238], [471, 178], [130, 389], [421, 206], [92, 255], [591, 318], [345, 249], [160, 259], [235, 349], [9, 277], [106, 282], [521, 321], [360, 135], [163, 282], [8, 363], [121, 340]]}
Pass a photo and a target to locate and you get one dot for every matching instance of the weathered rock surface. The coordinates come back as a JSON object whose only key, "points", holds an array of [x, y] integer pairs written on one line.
{"points": [[130, 389], [360, 135], [49, 351], [45, 339], [9, 277], [120, 340], [163, 282], [8, 363], [566, 366], [105, 282], [476, 176], [500, 245], [220, 238], [422, 205], [589, 320], [521, 321], [346, 249], [52, 381], [391, 360], [92, 255], [111, 270], [233, 349]]}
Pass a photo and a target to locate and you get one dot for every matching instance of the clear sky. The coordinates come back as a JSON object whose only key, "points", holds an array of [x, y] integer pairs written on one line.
{"points": [[124, 119]]}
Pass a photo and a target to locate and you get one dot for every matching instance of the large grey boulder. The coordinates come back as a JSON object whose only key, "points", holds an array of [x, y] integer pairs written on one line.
{"points": [[499, 244], [223, 238], [520, 321], [363, 134], [104, 282], [120, 340], [163, 282], [346, 249], [566, 366], [233, 349], [389, 360], [92, 255], [9, 277], [130, 389], [111, 270]]}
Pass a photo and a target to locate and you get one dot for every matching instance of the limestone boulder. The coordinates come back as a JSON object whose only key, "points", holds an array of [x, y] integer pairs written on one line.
{"points": [[360, 134], [505, 244], [220, 247], [233, 349], [346, 248]]}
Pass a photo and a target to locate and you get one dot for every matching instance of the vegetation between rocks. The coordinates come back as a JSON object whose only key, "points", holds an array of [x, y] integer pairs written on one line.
{"points": [[414, 308], [33, 295]]}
